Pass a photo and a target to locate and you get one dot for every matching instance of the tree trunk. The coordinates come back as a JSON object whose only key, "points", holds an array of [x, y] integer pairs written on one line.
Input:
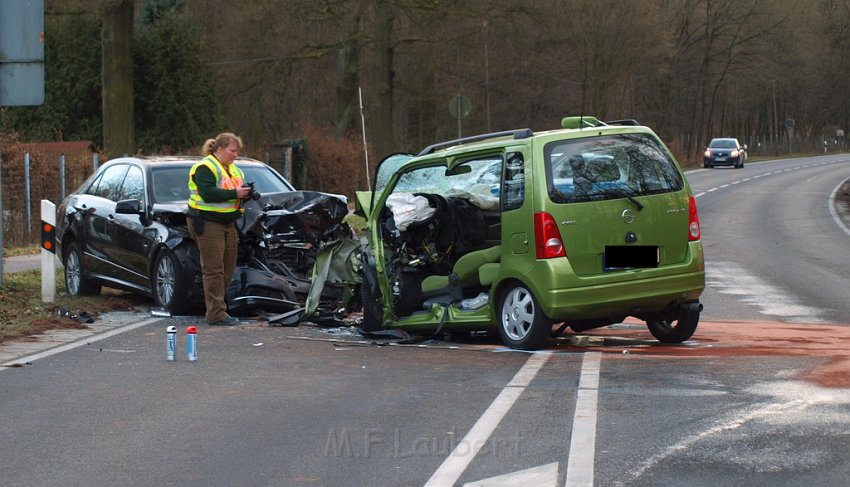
{"points": [[347, 102], [117, 39], [383, 134]]}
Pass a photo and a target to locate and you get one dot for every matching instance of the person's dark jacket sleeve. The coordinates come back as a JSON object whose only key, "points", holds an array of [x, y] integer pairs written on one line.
{"points": [[207, 189]]}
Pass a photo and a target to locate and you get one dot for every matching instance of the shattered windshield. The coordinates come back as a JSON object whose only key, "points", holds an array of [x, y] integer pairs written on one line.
{"points": [[480, 175], [389, 166], [600, 168]]}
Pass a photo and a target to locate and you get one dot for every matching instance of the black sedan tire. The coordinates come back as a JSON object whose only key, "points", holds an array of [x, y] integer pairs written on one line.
{"points": [[76, 282], [522, 324], [170, 284]]}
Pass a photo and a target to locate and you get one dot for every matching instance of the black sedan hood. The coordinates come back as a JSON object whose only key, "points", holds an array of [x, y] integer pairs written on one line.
{"points": [[317, 210]]}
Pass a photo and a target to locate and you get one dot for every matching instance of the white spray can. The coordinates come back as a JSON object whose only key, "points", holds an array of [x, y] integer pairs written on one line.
{"points": [[171, 342]]}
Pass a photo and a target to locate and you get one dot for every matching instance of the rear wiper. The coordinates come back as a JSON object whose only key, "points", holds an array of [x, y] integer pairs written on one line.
{"points": [[623, 194]]}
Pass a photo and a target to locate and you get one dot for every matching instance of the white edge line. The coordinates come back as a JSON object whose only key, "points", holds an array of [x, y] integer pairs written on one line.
{"points": [[453, 467], [583, 440], [79, 343], [834, 213]]}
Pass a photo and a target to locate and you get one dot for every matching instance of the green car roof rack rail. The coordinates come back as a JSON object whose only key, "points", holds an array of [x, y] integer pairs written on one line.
{"points": [[587, 121], [516, 134], [580, 122], [625, 121]]}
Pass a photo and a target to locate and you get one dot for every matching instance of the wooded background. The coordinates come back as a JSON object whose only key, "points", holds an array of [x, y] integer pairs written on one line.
{"points": [[274, 70]]}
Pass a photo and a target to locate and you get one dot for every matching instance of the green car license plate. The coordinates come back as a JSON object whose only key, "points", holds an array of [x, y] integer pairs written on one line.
{"points": [[630, 256]]}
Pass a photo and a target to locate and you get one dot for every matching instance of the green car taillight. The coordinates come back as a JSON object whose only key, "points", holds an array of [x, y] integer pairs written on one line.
{"points": [[547, 237], [693, 220]]}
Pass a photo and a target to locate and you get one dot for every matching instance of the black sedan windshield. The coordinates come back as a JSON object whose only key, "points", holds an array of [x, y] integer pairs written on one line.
{"points": [[172, 183]]}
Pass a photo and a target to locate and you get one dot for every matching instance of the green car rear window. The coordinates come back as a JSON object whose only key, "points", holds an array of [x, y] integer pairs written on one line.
{"points": [[610, 167]]}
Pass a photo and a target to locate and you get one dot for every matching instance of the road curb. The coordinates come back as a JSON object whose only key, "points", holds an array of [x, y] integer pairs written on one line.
{"points": [[17, 353]]}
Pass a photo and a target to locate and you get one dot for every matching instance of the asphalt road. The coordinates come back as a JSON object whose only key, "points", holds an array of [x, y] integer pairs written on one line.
{"points": [[20, 263], [761, 396], [773, 247]]}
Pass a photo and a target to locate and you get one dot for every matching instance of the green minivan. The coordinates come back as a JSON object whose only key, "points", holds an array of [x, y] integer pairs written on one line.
{"points": [[520, 230]]}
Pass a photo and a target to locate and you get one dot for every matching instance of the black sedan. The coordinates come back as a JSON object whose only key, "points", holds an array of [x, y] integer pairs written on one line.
{"points": [[125, 228], [725, 152]]}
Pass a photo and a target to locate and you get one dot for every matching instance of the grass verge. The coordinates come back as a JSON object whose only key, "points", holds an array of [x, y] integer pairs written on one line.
{"points": [[23, 314]]}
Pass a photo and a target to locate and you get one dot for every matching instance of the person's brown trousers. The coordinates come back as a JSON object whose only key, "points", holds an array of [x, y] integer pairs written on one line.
{"points": [[217, 246]]}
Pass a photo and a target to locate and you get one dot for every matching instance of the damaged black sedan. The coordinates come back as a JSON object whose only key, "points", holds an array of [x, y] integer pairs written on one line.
{"points": [[125, 228]]}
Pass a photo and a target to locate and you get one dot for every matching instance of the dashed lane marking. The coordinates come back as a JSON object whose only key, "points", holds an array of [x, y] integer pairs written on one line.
{"points": [[459, 459]]}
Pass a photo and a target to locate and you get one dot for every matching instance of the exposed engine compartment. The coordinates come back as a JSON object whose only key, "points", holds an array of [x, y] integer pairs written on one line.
{"points": [[432, 245]]}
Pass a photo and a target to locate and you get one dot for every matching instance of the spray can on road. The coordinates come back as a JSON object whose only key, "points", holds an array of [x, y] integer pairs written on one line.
{"points": [[192, 343], [171, 342]]}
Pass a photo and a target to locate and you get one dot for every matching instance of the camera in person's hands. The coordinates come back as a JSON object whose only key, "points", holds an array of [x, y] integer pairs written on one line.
{"points": [[253, 194]]}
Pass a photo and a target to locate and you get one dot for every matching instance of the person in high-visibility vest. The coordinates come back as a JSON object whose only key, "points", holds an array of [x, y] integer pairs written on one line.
{"points": [[216, 191]]}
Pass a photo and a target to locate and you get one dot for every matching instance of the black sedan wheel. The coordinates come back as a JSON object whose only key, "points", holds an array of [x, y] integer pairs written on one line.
{"points": [[170, 284], [76, 282], [522, 324]]}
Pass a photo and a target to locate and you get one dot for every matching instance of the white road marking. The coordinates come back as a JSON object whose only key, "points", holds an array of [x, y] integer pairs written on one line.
{"points": [[542, 476], [832, 211], [733, 422], [79, 343], [460, 458], [730, 278], [792, 405], [583, 441]]}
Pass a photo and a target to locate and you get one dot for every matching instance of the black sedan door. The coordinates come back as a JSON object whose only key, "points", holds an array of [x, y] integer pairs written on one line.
{"points": [[131, 234], [98, 207]]}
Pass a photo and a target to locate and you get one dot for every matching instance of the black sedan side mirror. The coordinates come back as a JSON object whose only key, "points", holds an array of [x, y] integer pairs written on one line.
{"points": [[129, 207]]}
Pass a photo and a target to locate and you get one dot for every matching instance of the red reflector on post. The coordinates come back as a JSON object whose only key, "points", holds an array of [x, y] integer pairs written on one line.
{"points": [[48, 237]]}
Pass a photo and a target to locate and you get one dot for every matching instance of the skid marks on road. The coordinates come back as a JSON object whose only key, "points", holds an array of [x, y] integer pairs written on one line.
{"points": [[746, 437]]}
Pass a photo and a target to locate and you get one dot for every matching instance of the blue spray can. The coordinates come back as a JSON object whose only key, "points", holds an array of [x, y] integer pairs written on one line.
{"points": [[171, 343], [192, 343]]}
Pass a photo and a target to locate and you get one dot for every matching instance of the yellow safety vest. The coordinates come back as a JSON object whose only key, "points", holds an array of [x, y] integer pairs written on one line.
{"points": [[223, 180]]}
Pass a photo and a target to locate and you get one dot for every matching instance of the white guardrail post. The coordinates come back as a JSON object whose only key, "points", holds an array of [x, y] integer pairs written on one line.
{"points": [[48, 251]]}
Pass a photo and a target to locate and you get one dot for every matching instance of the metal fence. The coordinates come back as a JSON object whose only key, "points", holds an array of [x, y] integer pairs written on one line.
{"points": [[29, 178]]}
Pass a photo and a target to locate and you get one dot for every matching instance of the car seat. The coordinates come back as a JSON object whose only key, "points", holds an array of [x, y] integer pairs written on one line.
{"points": [[472, 270]]}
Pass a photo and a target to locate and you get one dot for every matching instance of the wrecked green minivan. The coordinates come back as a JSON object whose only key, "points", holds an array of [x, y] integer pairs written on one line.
{"points": [[517, 230]]}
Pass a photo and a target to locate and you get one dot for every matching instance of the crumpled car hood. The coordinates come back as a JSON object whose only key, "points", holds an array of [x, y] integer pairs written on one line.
{"points": [[334, 206], [280, 237]]}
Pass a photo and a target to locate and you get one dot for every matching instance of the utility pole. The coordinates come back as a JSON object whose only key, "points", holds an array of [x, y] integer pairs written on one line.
{"points": [[775, 123]]}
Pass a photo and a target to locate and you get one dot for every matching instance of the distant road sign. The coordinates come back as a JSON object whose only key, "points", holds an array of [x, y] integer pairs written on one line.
{"points": [[460, 107], [21, 52], [789, 123]]}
